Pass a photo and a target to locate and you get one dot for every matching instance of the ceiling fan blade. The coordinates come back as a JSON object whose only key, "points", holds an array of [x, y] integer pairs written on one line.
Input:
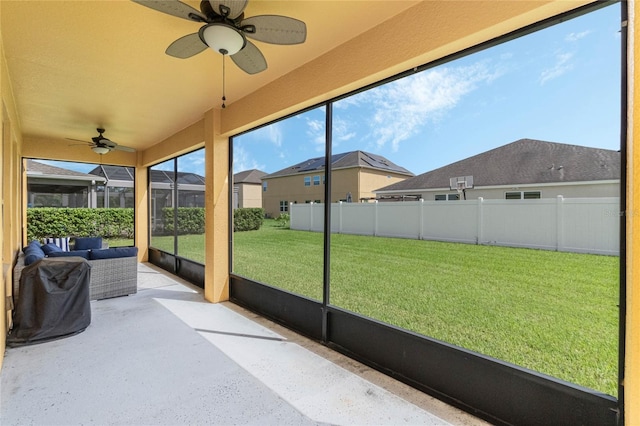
{"points": [[236, 7], [123, 148], [186, 47], [250, 59], [78, 140], [275, 29], [175, 8]]}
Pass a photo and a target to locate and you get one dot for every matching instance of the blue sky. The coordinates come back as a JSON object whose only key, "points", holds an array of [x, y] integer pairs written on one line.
{"points": [[560, 84]]}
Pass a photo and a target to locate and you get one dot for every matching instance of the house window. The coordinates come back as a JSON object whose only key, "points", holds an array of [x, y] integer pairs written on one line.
{"points": [[316, 180], [284, 206], [307, 181], [531, 195], [317, 201], [264, 186], [522, 195], [447, 197]]}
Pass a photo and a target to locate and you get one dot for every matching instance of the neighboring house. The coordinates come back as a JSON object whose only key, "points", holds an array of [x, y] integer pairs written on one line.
{"points": [[51, 186], [247, 188], [355, 176], [107, 186], [118, 190], [522, 169]]}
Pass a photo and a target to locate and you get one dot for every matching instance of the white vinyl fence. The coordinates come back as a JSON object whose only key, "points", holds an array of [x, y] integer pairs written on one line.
{"points": [[583, 225]]}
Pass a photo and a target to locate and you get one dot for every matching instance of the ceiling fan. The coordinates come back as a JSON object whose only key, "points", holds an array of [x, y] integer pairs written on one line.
{"points": [[101, 145], [225, 30]]}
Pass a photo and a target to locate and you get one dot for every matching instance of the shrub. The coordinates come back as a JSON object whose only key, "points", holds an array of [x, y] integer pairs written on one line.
{"points": [[283, 220], [79, 222], [247, 219], [190, 220]]}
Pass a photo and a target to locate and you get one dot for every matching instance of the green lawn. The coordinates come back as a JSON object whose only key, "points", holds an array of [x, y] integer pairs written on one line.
{"points": [[548, 311]]}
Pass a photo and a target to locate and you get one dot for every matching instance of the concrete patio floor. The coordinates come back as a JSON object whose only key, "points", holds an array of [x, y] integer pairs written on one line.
{"points": [[166, 357]]}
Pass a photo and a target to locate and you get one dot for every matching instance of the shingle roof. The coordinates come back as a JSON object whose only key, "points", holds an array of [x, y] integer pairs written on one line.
{"points": [[343, 161], [35, 168], [525, 161], [249, 176]]}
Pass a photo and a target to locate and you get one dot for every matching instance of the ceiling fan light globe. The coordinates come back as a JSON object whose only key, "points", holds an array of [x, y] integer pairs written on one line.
{"points": [[223, 38], [100, 150]]}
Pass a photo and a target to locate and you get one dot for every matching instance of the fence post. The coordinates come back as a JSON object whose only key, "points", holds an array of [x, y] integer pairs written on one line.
{"points": [[339, 217], [290, 214], [559, 223], [480, 215], [375, 218], [311, 216], [421, 231]]}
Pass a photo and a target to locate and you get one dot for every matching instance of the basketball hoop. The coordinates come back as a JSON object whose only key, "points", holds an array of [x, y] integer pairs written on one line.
{"points": [[461, 184]]}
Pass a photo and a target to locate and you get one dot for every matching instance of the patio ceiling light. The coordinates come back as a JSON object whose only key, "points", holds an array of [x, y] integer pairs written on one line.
{"points": [[223, 38], [100, 149]]}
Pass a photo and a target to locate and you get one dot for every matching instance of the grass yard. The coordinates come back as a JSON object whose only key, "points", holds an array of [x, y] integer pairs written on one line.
{"points": [[119, 242], [551, 312], [189, 246]]}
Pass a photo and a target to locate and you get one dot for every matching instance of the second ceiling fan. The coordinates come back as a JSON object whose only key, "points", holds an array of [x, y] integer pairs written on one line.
{"points": [[225, 30]]}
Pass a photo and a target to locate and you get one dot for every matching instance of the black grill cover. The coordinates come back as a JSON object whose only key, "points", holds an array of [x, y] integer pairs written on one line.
{"points": [[53, 302]]}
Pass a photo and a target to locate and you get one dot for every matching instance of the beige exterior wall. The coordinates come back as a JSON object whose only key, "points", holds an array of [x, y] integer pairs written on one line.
{"points": [[580, 190], [249, 195], [360, 182], [369, 182], [11, 184]]}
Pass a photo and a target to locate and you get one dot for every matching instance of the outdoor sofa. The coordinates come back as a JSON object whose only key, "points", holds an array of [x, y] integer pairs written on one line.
{"points": [[114, 271]]}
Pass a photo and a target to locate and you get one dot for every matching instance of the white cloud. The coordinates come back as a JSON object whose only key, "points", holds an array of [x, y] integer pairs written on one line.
{"points": [[192, 162], [272, 133], [577, 36], [316, 132], [342, 131], [242, 160], [404, 106], [561, 66]]}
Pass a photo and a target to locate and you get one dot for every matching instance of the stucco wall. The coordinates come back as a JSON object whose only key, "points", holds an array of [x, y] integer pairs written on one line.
{"points": [[249, 195], [360, 182]]}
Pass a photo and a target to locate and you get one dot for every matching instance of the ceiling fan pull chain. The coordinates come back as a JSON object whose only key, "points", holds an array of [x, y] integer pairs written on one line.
{"points": [[224, 98]]}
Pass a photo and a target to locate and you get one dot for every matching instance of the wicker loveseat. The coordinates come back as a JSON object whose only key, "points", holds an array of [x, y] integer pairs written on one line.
{"points": [[114, 271]]}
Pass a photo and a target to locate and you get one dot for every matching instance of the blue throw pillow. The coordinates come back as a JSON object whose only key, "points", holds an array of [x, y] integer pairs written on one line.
{"points": [[32, 243], [88, 243], [50, 248], [78, 253], [113, 253], [32, 254]]}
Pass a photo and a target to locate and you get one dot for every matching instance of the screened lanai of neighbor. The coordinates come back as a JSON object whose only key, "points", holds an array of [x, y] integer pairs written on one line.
{"points": [[511, 332]]}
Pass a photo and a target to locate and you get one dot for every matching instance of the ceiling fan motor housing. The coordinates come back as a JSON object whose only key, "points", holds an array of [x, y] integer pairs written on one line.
{"points": [[213, 15]]}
